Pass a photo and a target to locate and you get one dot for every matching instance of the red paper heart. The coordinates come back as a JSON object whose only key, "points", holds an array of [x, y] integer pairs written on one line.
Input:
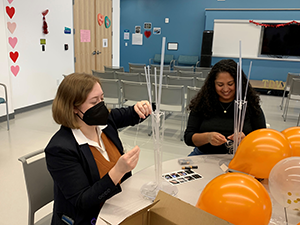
{"points": [[14, 56], [147, 33], [10, 11]]}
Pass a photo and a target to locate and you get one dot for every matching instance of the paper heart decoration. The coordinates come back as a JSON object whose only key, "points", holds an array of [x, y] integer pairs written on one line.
{"points": [[14, 56], [45, 12], [11, 27], [100, 19], [107, 22], [12, 41], [10, 1], [15, 70], [10, 11], [147, 33]]}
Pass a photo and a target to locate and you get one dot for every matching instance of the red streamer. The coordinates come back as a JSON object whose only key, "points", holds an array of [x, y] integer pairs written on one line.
{"points": [[45, 25], [274, 25]]}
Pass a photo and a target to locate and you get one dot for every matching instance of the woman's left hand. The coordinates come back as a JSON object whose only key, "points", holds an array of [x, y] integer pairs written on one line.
{"points": [[143, 109], [231, 137]]}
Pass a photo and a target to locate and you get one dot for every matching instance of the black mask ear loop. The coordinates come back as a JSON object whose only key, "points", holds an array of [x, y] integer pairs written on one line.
{"points": [[78, 115]]}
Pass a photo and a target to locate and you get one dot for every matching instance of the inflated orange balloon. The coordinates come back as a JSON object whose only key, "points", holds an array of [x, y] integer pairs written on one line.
{"points": [[237, 198], [259, 151], [293, 136]]}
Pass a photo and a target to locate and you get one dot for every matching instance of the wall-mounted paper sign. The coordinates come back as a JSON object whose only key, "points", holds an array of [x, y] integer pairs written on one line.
{"points": [[137, 29], [137, 39], [173, 46], [156, 30], [126, 34], [85, 35], [105, 43], [67, 30], [42, 41], [147, 26]]}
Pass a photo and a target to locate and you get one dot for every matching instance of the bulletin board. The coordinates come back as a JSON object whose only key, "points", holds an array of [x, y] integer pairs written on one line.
{"points": [[228, 33]]}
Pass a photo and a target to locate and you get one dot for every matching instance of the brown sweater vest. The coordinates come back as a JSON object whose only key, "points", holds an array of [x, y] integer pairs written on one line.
{"points": [[103, 165]]}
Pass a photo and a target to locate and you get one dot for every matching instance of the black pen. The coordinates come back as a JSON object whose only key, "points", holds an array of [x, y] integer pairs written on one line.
{"points": [[189, 167]]}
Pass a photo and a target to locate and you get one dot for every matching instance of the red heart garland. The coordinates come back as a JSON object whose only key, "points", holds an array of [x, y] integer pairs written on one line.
{"points": [[14, 56], [147, 33], [10, 11]]}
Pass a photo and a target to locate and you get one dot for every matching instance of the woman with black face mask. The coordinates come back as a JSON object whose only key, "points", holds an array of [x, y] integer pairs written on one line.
{"points": [[85, 157]]}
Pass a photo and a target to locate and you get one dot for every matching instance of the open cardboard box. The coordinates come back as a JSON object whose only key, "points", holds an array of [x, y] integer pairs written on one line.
{"points": [[168, 210]]}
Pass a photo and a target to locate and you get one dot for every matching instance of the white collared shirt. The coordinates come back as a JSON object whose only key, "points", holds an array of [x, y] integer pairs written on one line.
{"points": [[82, 139]]}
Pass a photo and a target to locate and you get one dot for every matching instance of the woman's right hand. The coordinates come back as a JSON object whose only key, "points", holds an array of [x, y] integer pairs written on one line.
{"points": [[126, 163], [216, 139]]}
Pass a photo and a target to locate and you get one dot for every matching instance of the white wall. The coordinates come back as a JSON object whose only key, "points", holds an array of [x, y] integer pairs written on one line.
{"points": [[41, 72]]}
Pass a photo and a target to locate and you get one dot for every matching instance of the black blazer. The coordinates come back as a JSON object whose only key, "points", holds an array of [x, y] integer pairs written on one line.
{"points": [[79, 193]]}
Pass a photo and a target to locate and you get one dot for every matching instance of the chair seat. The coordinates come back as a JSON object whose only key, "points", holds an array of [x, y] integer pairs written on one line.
{"points": [[173, 108], [294, 97], [45, 220], [2, 100]]}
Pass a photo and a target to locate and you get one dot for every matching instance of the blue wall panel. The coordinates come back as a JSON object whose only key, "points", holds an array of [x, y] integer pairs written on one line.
{"points": [[188, 20]]}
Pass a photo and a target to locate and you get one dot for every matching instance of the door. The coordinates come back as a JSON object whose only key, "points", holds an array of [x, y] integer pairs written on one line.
{"points": [[92, 38]]}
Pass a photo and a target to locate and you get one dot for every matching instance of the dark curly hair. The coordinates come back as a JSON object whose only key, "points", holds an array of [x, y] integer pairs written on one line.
{"points": [[207, 99]]}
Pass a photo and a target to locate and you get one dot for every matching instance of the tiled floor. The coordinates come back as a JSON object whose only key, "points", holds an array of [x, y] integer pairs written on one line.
{"points": [[32, 130]]}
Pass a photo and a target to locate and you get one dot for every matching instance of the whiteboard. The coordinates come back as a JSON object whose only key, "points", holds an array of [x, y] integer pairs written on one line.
{"points": [[228, 33]]}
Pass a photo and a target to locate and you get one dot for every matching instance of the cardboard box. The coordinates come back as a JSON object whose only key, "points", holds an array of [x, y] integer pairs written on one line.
{"points": [[168, 210]]}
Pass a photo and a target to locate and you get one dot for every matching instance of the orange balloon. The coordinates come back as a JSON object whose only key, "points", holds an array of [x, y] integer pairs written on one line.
{"points": [[293, 136], [237, 198], [259, 151]]}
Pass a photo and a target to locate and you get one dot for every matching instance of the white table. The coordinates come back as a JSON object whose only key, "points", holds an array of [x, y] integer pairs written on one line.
{"points": [[130, 199]]}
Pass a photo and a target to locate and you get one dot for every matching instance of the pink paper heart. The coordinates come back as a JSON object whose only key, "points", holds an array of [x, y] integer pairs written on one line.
{"points": [[11, 27], [10, 1], [15, 70], [12, 41]]}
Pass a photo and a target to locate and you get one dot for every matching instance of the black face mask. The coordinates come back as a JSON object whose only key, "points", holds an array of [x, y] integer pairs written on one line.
{"points": [[96, 115]]}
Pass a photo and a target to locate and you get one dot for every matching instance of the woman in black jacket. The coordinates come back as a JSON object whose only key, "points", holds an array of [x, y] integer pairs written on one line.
{"points": [[85, 157]]}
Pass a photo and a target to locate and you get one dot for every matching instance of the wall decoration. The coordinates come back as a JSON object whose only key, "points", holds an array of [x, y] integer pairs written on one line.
{"points": [[137, 39], [100, 19], [45, 25], [12, 41], [274, 25], [137, 29], [67, 30], [42, 41], [107, 22], [10, 11], [147, 33], [14, 56], [147, 26], [173, 46], [85, 35], [157, 30], [126, 34], [15, 70], [11, 27]]}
